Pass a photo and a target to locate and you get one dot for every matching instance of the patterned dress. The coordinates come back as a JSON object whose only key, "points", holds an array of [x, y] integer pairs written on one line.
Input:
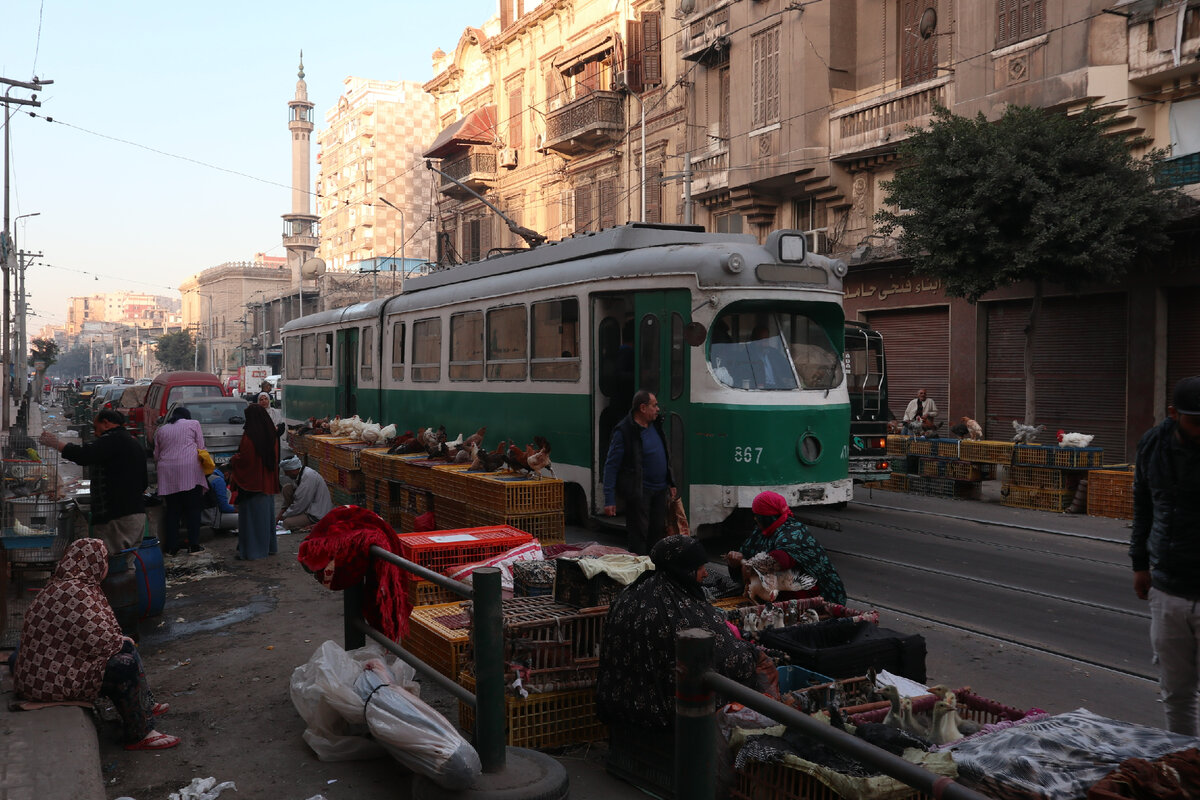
{"points": [[636, 685], [806, 555]]}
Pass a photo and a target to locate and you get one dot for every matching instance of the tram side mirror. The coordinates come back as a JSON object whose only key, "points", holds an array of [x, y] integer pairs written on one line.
{"points": [[695, 333]]}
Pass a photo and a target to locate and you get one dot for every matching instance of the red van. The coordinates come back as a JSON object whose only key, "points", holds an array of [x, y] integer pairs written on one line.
{"points": [[168, 388]]}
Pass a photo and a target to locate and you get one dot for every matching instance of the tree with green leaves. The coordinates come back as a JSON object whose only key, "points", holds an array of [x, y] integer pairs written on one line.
{"points": [[45, 353], [1035, 196], [175, 350]]}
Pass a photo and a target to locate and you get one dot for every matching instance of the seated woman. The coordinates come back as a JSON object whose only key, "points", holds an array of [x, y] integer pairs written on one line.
{"points": [[222, 514], [72, 648], [781, 560], [636, 685]]}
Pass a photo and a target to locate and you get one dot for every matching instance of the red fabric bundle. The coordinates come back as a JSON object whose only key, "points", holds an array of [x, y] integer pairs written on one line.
{"points": [[338, 552]]}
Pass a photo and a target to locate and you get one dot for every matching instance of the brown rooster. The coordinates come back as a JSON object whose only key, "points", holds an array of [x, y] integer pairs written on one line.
{"points": [[489, 462], [517, 459], [540, 459], [408, 443], [476, 438]]}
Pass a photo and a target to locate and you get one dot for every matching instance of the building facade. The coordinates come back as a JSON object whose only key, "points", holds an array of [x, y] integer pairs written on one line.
{"points": [[373, 190], [218, 309]]}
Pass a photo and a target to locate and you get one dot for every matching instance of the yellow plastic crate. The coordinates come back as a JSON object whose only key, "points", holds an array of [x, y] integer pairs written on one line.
{"points": [[1110, 493], [1038, 477], [445, 649], [543, 720], [987, 452], [1037, 499]]}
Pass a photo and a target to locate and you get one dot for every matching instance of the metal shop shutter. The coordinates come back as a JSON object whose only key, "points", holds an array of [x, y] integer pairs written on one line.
{"points": [[917, 345], [1079, 363], [1183, 336]]}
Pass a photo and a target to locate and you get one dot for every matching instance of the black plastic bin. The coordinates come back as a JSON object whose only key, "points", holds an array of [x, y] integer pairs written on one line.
{"points": [[842, 648]]}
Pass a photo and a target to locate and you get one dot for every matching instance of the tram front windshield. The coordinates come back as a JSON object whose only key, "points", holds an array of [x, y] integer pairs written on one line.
{"points": [[773, 350]]}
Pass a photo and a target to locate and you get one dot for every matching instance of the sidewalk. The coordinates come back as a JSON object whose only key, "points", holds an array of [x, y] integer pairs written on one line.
{"points": [[52, 753]]}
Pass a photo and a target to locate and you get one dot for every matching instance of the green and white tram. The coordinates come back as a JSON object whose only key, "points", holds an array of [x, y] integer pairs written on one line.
{"points": [[740, 341]]}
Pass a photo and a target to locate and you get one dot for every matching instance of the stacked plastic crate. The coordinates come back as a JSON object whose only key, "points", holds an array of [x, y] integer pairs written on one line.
{"points": [[937, 469], [1110, 492], [1046, 478], [445, 550]]}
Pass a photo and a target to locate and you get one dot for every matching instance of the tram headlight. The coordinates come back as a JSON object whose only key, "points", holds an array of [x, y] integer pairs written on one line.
{"points": [[735, 263], [839, 268], [793, 247]]}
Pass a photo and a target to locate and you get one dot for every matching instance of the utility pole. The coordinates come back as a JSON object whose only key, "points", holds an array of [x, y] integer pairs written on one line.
{"points": [[6, 243], [686, 177], [22, 323]]}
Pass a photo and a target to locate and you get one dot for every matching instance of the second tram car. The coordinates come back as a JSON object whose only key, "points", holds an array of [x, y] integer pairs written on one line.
{"points": [[740, 341], [866, 381]]}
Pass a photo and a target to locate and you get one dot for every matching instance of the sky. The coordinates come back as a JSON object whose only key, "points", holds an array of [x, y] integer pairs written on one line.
{"points": [[169, 151]]}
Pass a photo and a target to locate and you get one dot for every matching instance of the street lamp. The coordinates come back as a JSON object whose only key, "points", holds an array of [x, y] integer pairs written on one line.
{"points": [[402, 262]]}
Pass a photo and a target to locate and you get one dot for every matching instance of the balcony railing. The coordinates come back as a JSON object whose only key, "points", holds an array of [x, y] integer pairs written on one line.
{"points": [[711, 172], [876, 125], [1155, 59], [477, 169], [1182, 171], [590, 123], [702, 29]]}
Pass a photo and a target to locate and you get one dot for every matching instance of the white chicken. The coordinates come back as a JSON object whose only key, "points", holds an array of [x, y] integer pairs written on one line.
{"points": [[1074, 439], [387, 433], [372, 433], [1026, 434]]}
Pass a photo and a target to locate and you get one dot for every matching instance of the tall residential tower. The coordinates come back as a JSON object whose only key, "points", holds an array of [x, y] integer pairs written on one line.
{"points": [[300, 230]]}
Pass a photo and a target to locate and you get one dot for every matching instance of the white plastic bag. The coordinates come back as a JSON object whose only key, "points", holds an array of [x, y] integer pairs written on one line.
{"points": [[343, 697], [323, 693], [413, 733]]}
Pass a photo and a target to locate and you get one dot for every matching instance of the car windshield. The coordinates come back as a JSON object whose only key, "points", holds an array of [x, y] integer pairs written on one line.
{"points": [[179, 393], [773, 348], [222, 413]]}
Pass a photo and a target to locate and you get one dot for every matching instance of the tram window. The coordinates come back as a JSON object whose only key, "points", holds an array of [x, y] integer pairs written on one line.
{"points": [[650, 367], [325, 355], [466, 346], [427, 349], [506, 344], [367, 347], [554, 331], [291, 356], [774, 349], [308, 355], [677, 360], [398, 351]]}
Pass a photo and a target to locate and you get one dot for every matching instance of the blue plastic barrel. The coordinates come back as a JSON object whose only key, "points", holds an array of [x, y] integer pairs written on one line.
{"points": [[151, 578]]}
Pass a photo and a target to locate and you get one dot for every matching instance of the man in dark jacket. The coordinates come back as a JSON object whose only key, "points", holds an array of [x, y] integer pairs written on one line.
{"points": [[638, 467], [1165, 550], [118, 474]]}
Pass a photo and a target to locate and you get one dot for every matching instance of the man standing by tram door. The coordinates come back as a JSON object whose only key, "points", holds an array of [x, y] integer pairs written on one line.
{"points": [[1165, 550], [638, 467]]}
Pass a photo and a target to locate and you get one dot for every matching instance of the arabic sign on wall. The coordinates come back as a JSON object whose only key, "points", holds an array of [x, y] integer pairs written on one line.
{"points": [[899, 291]]}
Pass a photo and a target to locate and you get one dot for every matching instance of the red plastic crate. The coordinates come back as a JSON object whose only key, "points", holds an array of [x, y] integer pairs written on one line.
{"points": [[441, 551]]}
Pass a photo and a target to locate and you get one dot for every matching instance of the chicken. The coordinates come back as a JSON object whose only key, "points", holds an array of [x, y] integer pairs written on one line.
{"points": [[973, 427], [1026, 434], [1074, 439], [387, 433], [476, 438], [518, 459], [408, 443], [489, 462], [467, 453], [886, 737], [372, 432], [960, 431], [895, 427], [540, 460]]}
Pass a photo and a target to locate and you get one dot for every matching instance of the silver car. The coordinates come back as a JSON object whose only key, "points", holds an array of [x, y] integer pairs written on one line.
{"points": [[221, 420]]}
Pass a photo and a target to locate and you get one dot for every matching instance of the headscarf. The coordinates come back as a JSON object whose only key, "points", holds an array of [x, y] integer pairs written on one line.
{"points": [[771, 504], [337, 553], [261, 432], [679, 557], [261, 395], [290, 463], [179, 412], [70, 631]]}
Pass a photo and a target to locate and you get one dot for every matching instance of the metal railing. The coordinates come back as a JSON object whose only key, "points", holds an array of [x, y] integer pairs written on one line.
{"points": [[696, 728], [487, 622]]}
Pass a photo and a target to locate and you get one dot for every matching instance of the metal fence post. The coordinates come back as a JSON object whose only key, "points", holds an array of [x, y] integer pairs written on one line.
{"points": [[352, 613], [695, 717], [489, 669]]}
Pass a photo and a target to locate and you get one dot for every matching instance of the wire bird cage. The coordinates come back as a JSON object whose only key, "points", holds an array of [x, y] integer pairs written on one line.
{"points": [[31, 532]]}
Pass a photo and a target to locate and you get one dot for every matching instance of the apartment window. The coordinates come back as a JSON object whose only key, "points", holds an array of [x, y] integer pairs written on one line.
{"points": [[1019, 19], [515, 112], [729, 223], [583, 208], [427, 349], [653, 190], [651, 48], [479, 238], [367, 348], [554, 331], [466, 346], [765, 56], [398, 351], [506, 344], [608, 203], [918, 54]]}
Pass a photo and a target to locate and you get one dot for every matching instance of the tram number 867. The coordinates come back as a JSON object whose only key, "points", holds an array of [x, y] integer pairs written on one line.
{"points": [[747, 455]]}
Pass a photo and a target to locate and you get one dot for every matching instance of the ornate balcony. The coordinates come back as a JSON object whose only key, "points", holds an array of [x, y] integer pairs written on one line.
{"points": [[1152, 54], [590, 123], [875, 126], [477, 169], [703, 33], [711, 172]]}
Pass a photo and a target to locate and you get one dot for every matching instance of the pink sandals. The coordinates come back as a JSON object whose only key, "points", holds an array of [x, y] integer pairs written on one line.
{"points": [[155, 741]]}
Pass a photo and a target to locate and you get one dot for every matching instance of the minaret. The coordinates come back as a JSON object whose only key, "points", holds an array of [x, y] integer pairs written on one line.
{"points": [[300, 229]]}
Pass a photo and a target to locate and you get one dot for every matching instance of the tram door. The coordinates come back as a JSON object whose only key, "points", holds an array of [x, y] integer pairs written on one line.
{"points": [[346, 395], [639, 344]]}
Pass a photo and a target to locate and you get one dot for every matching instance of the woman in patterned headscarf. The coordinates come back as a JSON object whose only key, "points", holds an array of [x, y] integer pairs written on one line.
{"points": [[636, 685], [72, 648], [782, 544]]}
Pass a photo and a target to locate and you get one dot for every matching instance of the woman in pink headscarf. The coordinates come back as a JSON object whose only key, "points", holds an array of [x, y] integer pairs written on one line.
{"points": [[72, 648], [782, 550]]}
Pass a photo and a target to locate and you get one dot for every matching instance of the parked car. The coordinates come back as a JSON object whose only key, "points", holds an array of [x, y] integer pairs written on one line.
{"points": [[221, 420], [169, 388], [105, 396]]}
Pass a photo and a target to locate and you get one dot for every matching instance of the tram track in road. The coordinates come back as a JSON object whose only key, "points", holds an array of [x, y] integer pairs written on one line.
{"points": [[1011, 641], [996, 523], [976, 580]]}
